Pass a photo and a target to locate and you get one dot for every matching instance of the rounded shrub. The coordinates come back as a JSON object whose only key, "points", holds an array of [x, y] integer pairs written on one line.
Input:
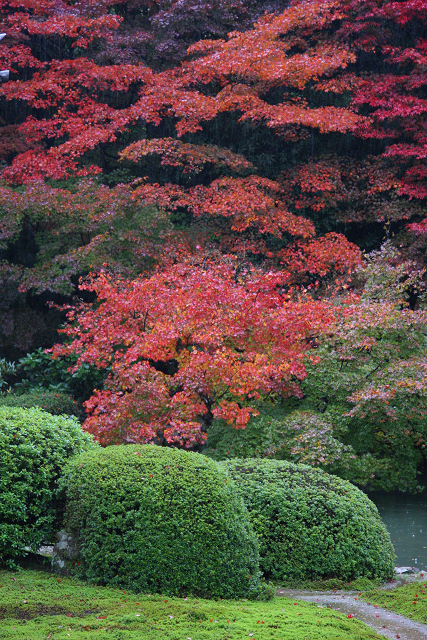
{"points": [[150, 518], [34, 446], [55, 402], [311, 525]]}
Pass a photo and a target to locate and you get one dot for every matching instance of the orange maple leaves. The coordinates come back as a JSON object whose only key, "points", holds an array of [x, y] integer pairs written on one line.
{"points": [[188, 345], [191, 157], [231, 76]]}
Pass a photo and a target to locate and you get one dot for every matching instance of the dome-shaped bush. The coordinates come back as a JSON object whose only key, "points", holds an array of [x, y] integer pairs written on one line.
{"points": [[34, 446], [311, 525], [160, 519], [54, 402]]}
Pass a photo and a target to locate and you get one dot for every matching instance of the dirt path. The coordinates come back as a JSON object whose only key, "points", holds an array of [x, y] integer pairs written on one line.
{"points": [[385, 622]]}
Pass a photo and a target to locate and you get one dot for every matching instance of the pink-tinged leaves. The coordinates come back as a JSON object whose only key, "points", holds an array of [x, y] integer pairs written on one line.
{"points": [[189, 344]]}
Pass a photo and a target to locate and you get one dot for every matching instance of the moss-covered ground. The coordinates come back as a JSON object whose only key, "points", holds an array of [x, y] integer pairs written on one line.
{"points": [[36, 605], [410, 600]]}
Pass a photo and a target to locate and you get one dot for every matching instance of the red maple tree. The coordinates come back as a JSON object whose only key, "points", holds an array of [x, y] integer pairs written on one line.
{"points": [[204, 334], [81, 111], [187, 345]]}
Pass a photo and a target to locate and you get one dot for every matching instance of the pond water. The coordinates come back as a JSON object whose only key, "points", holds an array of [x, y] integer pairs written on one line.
{"points": [[405, 517]]}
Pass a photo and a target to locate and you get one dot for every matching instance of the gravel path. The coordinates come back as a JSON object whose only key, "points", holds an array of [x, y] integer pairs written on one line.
{"points": [[385, 622]]}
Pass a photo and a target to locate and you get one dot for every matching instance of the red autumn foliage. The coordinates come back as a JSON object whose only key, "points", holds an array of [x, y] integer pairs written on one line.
{"points": [[216, 338], [244, 68], [188, 345], [393, 94]]}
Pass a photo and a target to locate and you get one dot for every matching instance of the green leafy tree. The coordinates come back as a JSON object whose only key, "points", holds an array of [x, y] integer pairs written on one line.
{"points": [[371, 377]]}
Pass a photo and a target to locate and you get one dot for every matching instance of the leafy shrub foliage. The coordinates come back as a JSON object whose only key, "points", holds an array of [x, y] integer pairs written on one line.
{"points": [[8, 373], [310, 524], [258, 438], [33, 448], [283, 434], [56, 403], [160, 519], [40, 372]]}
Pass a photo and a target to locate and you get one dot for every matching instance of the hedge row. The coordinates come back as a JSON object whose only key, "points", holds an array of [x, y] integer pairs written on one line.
{"points": [[55, 402], [167, 520]]}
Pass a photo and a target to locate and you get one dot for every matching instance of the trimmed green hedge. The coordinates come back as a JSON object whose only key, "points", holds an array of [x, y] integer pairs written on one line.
{"points": [[34, 446], [160, 519], [311, 525], [55, 402]]}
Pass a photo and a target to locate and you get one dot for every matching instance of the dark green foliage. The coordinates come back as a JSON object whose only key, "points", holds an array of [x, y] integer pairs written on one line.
{"points": [[56, 403], [310, 524], [160, 519], [34, 446], [8, 372], [39, 371], [264, 435], [259, 436]]}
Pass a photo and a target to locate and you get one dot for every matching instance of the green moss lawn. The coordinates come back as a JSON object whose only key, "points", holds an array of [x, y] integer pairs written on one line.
{"points": [[410, 600], [37, 605]]}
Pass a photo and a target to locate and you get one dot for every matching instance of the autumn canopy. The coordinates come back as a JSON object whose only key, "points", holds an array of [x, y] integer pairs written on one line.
{"points": [[200, 186]]}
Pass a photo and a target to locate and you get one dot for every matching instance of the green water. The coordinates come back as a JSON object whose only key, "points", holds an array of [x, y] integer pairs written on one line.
{"points": [[405, 517]]}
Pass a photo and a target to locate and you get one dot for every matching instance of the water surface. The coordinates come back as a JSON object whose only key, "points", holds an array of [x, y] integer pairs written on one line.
{"points": [[405, 516]]}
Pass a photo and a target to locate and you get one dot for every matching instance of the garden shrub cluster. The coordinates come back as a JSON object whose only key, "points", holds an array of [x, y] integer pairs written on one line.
{"points": [[148, 518], [311, 525], [55, 402], [34, 446], [160, 519]]}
